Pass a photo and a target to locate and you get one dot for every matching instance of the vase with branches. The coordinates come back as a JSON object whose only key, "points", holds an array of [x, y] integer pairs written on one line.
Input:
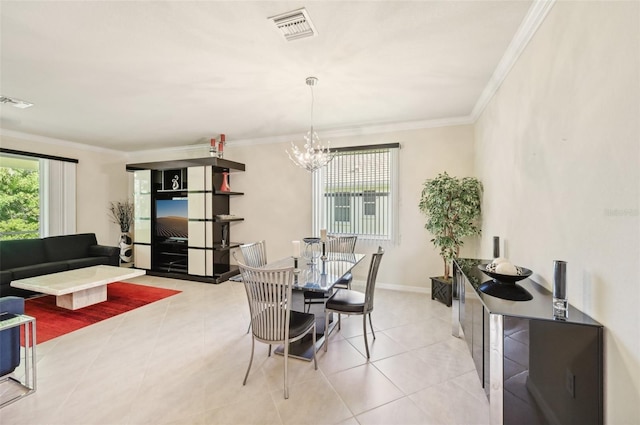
{"points": [[121, 213]]}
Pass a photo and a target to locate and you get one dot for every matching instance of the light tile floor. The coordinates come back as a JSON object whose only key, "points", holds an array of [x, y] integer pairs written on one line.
{"points": [[182, 360]]}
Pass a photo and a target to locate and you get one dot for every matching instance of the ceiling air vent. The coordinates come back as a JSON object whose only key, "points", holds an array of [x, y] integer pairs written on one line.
{"points": [[295, 24], [15, 102]]}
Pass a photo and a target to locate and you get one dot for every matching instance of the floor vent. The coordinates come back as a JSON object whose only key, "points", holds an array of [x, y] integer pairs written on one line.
{"points": [[294, 25]]}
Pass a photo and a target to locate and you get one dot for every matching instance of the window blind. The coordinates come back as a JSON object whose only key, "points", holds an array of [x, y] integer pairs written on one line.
{"points": [[356, 193]]}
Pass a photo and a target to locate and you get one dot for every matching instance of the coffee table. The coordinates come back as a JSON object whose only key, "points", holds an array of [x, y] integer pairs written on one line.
{"points": [[78, 288]]}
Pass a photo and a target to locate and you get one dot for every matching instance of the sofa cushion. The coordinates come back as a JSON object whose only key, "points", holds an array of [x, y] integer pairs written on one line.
{"points": [[79, 263], [39, 269], [20, 253], [68, 247], [5, 277]]}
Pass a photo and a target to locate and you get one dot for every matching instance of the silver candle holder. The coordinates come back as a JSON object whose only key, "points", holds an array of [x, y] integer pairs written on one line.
{"points": [[560, 302]]}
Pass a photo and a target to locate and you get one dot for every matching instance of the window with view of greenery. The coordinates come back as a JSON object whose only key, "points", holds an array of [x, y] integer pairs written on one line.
{"points": [[19, 198]]}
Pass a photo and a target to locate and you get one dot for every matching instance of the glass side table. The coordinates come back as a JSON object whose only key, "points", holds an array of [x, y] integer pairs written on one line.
{"points": [[14, 388]]}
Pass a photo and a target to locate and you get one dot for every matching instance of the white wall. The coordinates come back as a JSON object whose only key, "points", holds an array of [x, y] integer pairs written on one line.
{"points": [[277, 201], [277, 204], [100, 179], [558, 152]]}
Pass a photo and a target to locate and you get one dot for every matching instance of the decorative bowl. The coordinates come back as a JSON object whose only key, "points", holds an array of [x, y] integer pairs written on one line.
{"points": [[311, 240], [506, 278]]}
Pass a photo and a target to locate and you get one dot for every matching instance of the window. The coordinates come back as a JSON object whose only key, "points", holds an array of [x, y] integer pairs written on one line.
{"points": [[369, 202], [356, 193], [37, 197], [341, 207], [20, 198]]}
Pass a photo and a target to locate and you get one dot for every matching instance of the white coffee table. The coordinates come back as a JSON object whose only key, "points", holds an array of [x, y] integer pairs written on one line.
{"points": [[78, 288]]}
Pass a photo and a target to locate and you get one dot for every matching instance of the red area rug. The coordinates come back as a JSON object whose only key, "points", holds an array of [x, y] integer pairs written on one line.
{"points": [[53, 321]]}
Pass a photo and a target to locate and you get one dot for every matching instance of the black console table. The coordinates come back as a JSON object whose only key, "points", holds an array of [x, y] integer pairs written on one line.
{"points": [[534, 369]]}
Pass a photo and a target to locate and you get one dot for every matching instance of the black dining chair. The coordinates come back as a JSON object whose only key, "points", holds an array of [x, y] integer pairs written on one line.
{"points": [[348, 301], [255, 255], [335, 244], [272, 320]]}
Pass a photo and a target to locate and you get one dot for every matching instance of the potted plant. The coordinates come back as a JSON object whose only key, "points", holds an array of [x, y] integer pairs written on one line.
{"points": [[121, 213], [452, 207]]}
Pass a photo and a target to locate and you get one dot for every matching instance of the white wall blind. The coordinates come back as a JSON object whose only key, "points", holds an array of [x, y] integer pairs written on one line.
{"points": [[356, 193], [58, 194]]}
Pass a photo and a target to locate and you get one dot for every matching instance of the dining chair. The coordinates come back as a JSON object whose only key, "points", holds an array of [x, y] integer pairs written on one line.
{"points": [[255, 255], [272, 320], [336, 244], [342, 245], [348, 301]]}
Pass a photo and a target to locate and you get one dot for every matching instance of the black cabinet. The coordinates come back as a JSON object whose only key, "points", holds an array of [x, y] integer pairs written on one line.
{"points": [[534, 369], [171, 256]]}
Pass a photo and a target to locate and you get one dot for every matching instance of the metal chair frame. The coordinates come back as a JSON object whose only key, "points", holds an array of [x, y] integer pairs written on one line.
{"points": [[368, 302], [255, 255], [335, 243], [269, 292]]}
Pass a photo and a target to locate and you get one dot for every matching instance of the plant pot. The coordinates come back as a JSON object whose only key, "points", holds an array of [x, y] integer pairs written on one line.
{"points": [[441, 290]]}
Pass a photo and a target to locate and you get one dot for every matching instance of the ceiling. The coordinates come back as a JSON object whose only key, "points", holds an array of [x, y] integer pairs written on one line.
{"points": [[142, 75]]}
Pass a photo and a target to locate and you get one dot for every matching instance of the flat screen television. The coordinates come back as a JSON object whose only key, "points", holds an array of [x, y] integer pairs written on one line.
{"points": [[172, 220]]}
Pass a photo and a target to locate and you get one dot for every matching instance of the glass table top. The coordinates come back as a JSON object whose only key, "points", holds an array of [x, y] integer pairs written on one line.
{"points": [[319, 275]]}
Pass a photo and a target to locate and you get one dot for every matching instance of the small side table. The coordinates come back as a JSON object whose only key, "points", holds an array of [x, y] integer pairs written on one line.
{"points": [[16, 389]]}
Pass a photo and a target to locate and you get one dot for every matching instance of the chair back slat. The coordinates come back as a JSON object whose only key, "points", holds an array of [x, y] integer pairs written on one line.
{"points": [[255, 254], [341, 244], [269, 295], [371, 279]]}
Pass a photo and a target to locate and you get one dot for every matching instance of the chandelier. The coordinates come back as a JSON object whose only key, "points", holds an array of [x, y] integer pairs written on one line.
{"points": [[313, 155]]}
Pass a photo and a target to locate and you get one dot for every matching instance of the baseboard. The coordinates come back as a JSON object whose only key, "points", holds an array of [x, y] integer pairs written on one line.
{"points": [[395, 287]]}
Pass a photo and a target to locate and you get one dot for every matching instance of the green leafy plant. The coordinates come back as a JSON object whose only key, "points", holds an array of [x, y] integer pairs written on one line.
{"points": [[19, 203], [121, 213], [452, 207]]}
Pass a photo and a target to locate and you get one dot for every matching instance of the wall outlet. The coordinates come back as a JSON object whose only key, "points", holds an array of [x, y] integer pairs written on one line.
{"points": [[570, 383]]}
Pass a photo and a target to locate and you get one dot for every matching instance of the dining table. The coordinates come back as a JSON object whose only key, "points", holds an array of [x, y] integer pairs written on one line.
{"points": [[318, 274]]}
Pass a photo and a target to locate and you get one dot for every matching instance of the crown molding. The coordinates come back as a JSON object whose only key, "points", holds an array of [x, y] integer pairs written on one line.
{"points": [[535, 16], [57, 142], [203, 148], [358, 131]]}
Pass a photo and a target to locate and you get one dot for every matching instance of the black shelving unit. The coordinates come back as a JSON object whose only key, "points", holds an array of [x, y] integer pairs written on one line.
{"points": [[170, 257]]}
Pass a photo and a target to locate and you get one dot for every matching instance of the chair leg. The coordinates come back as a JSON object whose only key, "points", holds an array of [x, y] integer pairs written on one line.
{"points": [[286, 369], [371, 324], [326, 331], [364, 327], [269, 350], [253, 343], [249, 328], [315, 363]]}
